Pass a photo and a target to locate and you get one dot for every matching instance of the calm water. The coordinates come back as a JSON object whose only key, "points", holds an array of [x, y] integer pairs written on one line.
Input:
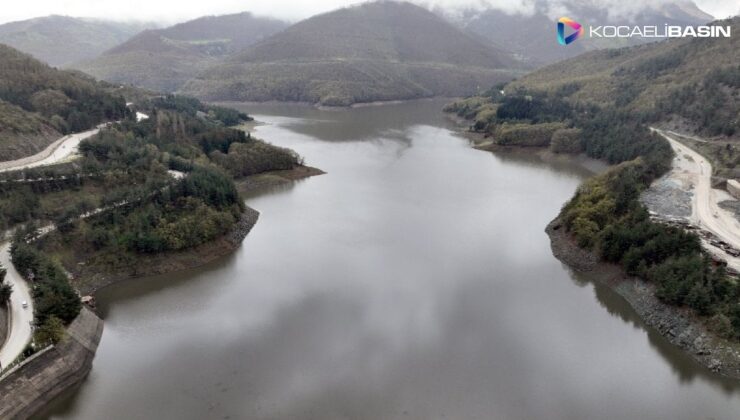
{"points": [[413, 281]]}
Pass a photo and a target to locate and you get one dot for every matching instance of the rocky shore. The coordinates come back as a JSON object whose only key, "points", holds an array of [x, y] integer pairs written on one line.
{"points": [[678, 325]]}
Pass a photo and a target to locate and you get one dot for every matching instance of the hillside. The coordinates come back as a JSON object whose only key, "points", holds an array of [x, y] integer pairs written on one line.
{"points": [[372, 52], [602, 104], [693, 82], [63, 40], [532, 36], [164, 59], [39, 103]]}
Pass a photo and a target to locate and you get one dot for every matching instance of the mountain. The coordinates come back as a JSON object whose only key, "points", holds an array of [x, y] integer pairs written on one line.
{"points": [[164, 59], [377, 51], [686, 84], [62, 40], [39, 103], [532, 36]]}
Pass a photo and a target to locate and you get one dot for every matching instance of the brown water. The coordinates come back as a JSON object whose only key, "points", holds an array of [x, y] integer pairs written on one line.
{"points": [[412, 281]]}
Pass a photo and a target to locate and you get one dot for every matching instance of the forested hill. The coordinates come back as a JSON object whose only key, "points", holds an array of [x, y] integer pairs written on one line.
{"points": [[40, 103], [63, 40], [164, 59], [693, 82], [376, 51]]}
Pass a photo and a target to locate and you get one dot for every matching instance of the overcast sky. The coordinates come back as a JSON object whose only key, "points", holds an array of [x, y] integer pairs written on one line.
{"points": [[171, 11]]}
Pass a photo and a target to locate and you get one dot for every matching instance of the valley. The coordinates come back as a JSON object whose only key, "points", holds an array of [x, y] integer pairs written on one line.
{"points": [[383, 209]]}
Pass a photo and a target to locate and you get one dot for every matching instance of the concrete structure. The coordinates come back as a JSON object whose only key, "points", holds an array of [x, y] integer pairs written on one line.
{"points": [[733, 187], [28, 387]]}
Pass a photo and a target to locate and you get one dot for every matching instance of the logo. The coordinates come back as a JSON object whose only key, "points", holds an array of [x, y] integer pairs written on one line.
{"points": [[577, 27], [624, 31]]}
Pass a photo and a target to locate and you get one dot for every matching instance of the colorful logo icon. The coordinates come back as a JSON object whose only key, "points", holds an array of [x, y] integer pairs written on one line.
{"points": [[577, 27]]}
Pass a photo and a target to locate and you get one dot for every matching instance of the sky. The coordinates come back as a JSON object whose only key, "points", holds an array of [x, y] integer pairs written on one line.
{"points": [[172, 11]]}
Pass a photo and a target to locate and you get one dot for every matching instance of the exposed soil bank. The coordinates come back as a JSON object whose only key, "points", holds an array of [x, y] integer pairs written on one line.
{"points": [[27, 388], [256, 184], [677, 325]]}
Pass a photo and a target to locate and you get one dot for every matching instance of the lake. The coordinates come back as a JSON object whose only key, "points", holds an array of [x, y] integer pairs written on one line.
{"points": [[414, 280]]}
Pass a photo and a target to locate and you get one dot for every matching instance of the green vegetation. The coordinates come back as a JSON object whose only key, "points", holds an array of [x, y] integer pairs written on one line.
{"points": [[5, 288], [53, 296], [376, 51], [606, 215], [124, 172], [532, 135], [39, 103], [692, 84], [50, 332]]}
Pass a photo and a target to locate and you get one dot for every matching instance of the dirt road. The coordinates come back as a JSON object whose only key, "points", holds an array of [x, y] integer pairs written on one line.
{"points": [[706, 212]]}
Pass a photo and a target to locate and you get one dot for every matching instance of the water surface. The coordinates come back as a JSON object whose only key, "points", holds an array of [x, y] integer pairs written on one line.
{"points": [[412, 281]]}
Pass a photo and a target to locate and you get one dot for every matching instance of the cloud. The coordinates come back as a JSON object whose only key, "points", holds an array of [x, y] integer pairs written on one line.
{"points": [[170, 11]]}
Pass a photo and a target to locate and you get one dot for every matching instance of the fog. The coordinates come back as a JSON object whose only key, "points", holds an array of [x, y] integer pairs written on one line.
{"points": [[172, 11]]}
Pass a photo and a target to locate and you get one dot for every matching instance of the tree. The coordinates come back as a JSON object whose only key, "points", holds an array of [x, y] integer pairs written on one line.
{"points": [[5, 289], [50, 332]]}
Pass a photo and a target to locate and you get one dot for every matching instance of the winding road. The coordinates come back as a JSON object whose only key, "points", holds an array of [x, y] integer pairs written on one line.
{"points": [[19, 333], [21, 319], [705, 210], [54, 153]]}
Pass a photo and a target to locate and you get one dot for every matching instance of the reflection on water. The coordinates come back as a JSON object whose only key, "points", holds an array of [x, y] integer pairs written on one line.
{"points": [[413, 281]]}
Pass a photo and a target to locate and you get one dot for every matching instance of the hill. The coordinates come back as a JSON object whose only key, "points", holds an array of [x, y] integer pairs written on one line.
{"points": [[39, 103], [602, 104], [63, 40], [695, 82], [532, 36], [164, 59], [373, 52]]}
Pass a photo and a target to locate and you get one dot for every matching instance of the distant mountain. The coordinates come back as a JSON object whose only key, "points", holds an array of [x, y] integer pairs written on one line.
{"points": [[62, 40], [164, 59], [693, 84], [532, 37], [39, 103], [376, 51]]}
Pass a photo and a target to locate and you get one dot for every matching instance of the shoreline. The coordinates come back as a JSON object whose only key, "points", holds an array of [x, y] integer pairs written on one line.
{"points": [[57, 370], [317, 105], [172, 262], [677, 325]]}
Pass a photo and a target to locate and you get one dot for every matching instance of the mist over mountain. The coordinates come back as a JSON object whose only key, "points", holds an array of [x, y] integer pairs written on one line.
{"points": [[164, 59], [63, 40], [372, 52], [531, 34]]}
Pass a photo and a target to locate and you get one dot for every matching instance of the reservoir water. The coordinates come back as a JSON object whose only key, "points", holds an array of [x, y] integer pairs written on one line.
{"points": [[414, 280]]}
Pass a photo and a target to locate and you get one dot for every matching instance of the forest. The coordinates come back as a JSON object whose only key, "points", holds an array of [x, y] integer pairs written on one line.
{"points": [[605, 215], [163, 184]]}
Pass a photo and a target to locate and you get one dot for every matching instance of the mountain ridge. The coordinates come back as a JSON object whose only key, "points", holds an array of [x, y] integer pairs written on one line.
{"points": [[376, 51], [163, 59]]}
